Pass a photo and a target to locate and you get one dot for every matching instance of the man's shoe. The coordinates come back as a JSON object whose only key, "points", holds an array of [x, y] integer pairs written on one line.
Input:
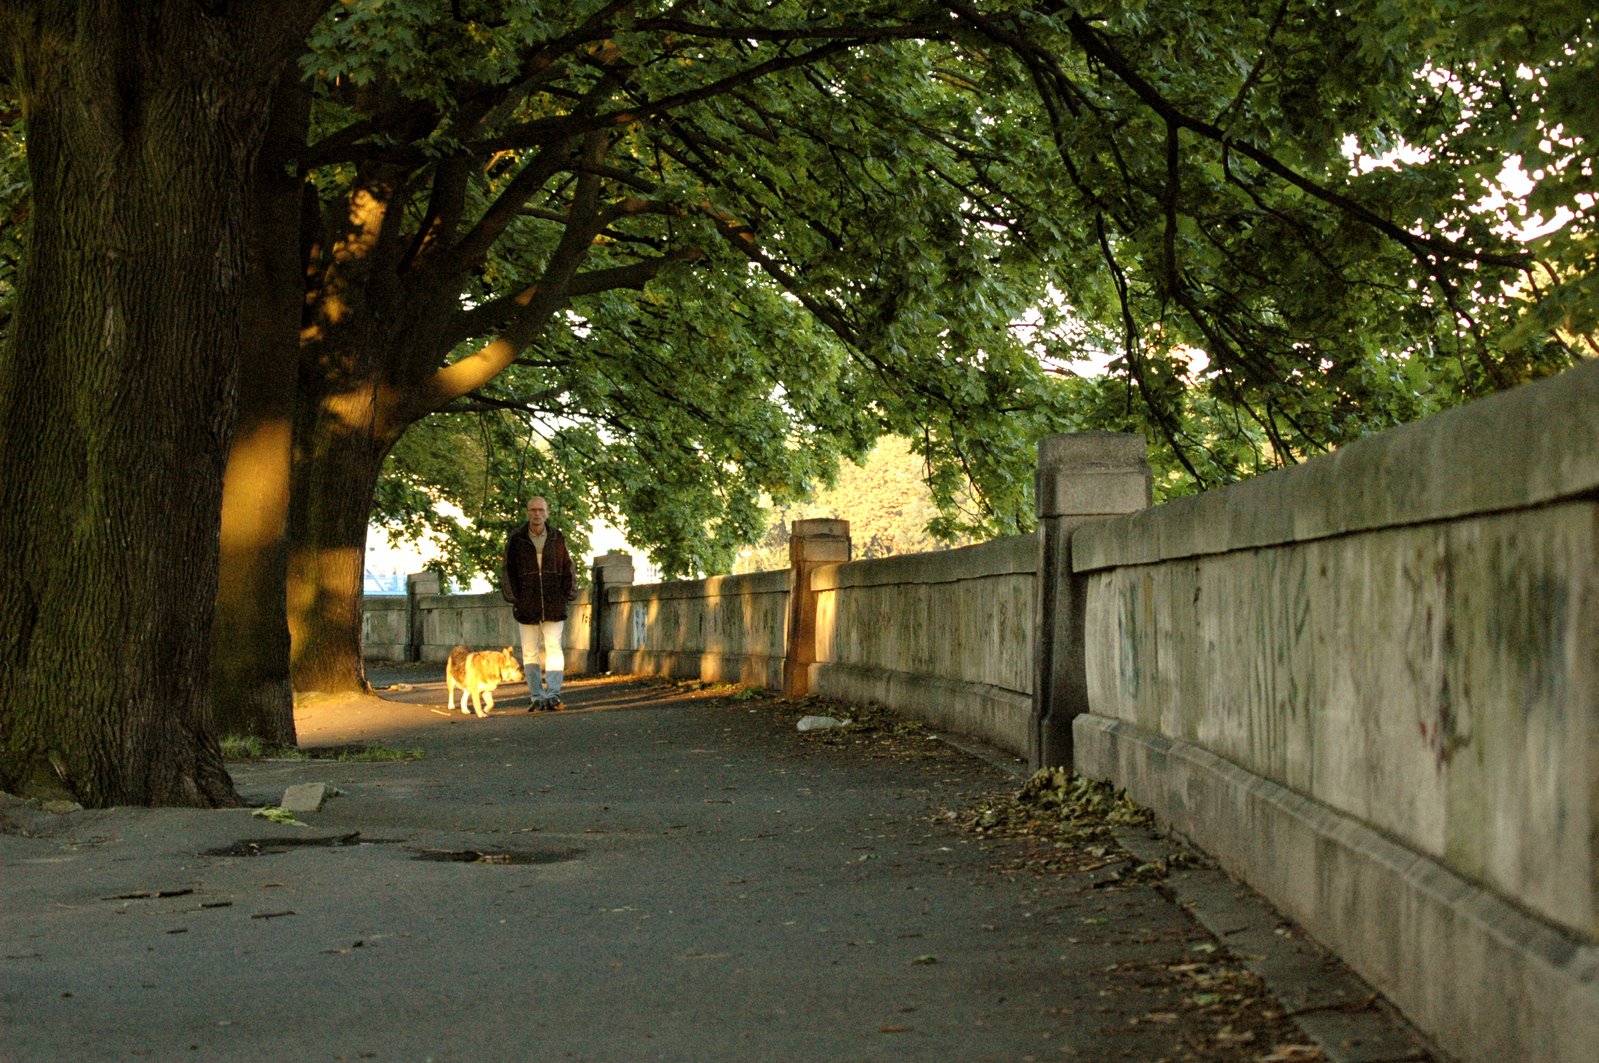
{"points": [[553, 703]]}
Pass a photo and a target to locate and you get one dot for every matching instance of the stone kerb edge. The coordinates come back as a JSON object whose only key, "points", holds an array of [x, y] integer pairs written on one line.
{"points": [[1533, 445], [750, 669], [1489, 982], [992, 714]]}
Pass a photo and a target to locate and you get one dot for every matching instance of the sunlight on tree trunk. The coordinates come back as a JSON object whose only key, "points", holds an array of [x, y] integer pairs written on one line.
{"points": [[250, 666], [338, 458], [117, 393], [250, 681]]}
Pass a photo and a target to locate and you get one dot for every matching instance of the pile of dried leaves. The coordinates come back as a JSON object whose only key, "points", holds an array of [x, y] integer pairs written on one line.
{"points": [[1074, 807], [1201, 1004], [1068, 824]]}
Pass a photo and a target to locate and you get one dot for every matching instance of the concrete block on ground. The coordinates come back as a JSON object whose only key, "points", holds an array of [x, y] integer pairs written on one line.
{"points": [[820, 723], [306, 796]]}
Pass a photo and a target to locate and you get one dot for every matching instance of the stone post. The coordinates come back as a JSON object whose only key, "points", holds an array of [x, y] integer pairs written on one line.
{"points": [[811, 543], [1081, 477], [614, 569], [416, 585]]}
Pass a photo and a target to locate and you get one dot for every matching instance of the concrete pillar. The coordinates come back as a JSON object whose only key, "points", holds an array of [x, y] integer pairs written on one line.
{"points": [[811, 543], [417, 584], [1081, 477], [614, 569]]}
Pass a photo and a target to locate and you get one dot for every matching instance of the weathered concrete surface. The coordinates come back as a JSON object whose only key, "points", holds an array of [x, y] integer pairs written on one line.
{"points": [[305, 797], [1489, 981], [722, 629], [812, 544], [1440, 683], [1397, 642], [943, 637], [1080, 478], [1516, 450], [666, 878]]}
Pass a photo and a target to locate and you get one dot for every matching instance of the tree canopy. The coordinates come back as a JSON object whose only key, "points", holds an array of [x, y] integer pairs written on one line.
{"points": [[800, 195], [679, 259], [1271, 220]]}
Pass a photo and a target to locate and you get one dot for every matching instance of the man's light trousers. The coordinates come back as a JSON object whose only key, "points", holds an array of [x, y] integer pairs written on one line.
{"points": [[543, 660]]}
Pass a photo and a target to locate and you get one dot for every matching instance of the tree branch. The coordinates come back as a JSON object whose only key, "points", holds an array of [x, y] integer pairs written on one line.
{"points": [[1097, 47], [536, 305]]}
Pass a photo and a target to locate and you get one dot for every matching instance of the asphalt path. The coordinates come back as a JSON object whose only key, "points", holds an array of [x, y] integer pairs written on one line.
{"points": [[658, 873]]}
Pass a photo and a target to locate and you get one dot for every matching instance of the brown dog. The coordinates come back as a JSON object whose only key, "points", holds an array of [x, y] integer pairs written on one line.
{"points": [[477, 673]]}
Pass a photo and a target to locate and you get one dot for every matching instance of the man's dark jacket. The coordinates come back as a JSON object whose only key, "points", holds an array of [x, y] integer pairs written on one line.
{"points": [[538, 595]]}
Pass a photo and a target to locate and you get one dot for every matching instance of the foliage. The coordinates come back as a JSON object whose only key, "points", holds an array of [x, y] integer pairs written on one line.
{"points": [[1203, 148], [826, 223], [1202, 191], [810, 259], [278, 814], [884, 497]]}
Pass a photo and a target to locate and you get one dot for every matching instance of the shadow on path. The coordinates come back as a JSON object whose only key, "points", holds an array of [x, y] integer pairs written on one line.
{"points": [[662, 872]]}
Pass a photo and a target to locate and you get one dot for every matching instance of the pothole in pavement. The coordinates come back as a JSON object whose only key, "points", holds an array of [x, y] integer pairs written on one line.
{"points": [[517, 857], [273, 846], [498, 856]]}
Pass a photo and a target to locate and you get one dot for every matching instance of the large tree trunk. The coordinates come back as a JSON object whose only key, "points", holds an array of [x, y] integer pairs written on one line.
{"points": [[251, 691], [117, 394], [339, 454], [370, 370]]}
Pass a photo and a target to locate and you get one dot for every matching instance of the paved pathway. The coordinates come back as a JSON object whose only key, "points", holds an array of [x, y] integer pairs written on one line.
{"points": [[656, 875]]}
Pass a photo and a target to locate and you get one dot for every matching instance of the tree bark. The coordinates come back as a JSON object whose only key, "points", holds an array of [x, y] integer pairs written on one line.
{"points": [[339, 455], [369, 367], [251, 689], [117, 393]]}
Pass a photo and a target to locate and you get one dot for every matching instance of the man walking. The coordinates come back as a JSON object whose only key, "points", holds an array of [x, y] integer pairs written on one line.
{"points": [[539, 580]]}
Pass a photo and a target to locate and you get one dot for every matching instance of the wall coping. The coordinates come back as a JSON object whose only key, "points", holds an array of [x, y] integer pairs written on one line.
{"points": [[743, 583], [1448, 466], [1014, 555]]}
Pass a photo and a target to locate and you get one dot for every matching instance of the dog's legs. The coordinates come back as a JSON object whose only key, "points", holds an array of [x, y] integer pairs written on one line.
{"points": [[485, 703]]}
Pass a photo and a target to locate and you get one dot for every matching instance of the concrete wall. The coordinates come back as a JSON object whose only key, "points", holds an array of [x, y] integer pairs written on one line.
{"points": [[943, 637], [723, 629], [385, 627], [443, 621], [1370, 687]]}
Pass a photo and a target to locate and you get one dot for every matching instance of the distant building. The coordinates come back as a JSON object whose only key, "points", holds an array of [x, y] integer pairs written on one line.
{"points": [[383, 582]]}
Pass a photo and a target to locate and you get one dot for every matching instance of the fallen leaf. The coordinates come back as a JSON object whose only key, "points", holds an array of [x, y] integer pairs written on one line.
{"points": [[1294, 1054]]}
